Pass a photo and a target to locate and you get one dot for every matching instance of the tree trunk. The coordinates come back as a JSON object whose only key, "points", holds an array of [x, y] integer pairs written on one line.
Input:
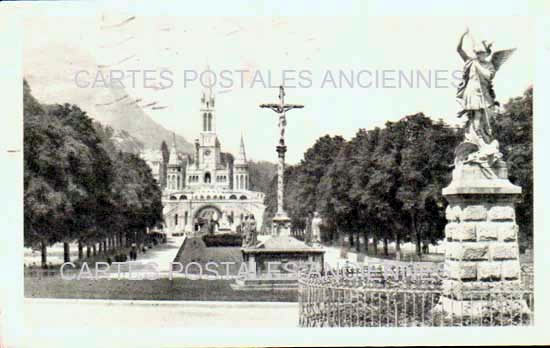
{"points": [[105, 250], [418, 247], [44, 254], [375, 244], [88, 251], [94, 250], [80, 250], [397, 242], [366, 247], [386, 246], [66, 252], [418, 243]]}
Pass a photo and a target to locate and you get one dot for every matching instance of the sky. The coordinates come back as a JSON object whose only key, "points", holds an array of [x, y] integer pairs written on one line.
{"points": [[306, 47]]}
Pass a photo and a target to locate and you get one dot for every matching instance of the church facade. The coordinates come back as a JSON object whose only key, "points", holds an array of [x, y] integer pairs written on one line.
{"points": [[208, 191]]}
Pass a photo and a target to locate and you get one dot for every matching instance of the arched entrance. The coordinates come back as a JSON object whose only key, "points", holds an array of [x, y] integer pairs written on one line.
{"points": [[206, 219]]}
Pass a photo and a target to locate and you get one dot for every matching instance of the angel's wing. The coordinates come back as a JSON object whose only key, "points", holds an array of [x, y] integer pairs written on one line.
{"points": [[499, 57]]}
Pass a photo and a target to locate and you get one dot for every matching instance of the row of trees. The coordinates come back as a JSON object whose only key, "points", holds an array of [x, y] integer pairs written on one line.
{"points": [[78, 186], [386, 183]]}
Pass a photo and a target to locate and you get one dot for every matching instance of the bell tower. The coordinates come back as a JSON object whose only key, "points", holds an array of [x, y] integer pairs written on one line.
{"points": [[209, 149], [240, 170], [174, 169]]}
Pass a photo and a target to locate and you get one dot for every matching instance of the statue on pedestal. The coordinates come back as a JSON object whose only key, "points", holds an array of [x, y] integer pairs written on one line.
{"points": [[224, 222], [481, 234], [316, 228], [477, 100], [250, 238]]}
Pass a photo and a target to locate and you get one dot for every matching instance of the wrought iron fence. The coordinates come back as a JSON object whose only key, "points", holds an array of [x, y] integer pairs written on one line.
{"points": [[356, 300]]}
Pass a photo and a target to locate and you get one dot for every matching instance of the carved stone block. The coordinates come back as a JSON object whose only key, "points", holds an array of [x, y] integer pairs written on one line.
{"points": [[452, 213], [489, 270], [464, 232], [462, 270], [507, 231], [475, 251], [504, 251], [511, 270], [502, 213], [474, 213], [487, 231]]}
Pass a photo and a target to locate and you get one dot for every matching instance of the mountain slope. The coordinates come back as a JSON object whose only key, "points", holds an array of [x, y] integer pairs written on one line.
{"points": [[51, 70]]}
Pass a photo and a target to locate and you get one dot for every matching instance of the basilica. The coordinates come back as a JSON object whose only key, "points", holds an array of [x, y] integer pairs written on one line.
{"points": [[208, 191]]}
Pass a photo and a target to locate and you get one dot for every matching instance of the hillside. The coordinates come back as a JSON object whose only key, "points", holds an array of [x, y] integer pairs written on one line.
{"points": [[52, 78], [261, 174]]}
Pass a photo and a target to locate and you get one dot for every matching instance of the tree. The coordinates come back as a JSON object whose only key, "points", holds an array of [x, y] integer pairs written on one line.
{"points": [[165, 158], [77, 186], [334, 201], [514, 129]]}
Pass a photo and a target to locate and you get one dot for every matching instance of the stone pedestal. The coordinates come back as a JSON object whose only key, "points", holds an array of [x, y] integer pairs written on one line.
{"points": [[281, 225], [481, 250], [276, 264]]}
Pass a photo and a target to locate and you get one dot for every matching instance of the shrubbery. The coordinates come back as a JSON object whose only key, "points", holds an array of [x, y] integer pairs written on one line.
{"points": [[223, 240]]}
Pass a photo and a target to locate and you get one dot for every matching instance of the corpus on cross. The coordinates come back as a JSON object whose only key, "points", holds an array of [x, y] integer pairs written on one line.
{"points": [[281, 108]]}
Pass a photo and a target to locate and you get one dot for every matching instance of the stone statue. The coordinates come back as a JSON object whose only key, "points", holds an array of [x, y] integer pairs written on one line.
{"points": [[249, 232], [316, 228], [477, 100], [245, 232], [253, 230], [224, 220]]}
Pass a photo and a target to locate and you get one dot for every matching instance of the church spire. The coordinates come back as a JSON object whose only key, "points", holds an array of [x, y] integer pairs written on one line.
{"points": [[207, 103], [173, 158], [207, 98], [241, 159]]}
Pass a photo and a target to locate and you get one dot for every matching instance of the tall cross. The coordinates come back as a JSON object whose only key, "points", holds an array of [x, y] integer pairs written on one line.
{"points": [[281, 109], [281, 221]]}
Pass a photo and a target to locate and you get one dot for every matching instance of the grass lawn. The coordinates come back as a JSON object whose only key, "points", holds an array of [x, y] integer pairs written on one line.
{"points": [[161, 289]]}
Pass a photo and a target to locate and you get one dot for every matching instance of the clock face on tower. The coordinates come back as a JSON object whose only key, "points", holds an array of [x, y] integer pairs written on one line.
{"points": [[207, 153]]}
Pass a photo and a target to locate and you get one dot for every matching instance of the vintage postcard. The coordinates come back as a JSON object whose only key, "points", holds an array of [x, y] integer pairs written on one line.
{"points": [[232, 178]]}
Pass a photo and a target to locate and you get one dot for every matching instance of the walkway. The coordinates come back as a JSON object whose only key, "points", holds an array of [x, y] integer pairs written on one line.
{"points": [[163, 254]]}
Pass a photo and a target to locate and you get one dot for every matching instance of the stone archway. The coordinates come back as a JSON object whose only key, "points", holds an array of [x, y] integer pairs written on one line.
{"points": [[206, 218]]}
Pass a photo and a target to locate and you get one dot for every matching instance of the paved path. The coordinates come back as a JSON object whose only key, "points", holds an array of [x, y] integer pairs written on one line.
{"points": [[108, 314], [163, 254]]}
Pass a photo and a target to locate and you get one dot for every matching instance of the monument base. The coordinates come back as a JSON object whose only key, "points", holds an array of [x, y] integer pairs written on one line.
{"points": [[281, 224], [277, 262], [481, 309], [481, 244], [269, 284]]}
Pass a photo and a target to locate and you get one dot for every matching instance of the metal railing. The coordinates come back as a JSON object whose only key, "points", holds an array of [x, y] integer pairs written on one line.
{"points": [[359, 301]]}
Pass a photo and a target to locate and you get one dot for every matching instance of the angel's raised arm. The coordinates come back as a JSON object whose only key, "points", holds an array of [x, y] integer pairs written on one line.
{"points": [[459, 49]]}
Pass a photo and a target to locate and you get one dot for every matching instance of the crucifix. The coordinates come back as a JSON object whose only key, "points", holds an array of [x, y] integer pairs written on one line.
{"points": [[281, 109], [281, 221]]}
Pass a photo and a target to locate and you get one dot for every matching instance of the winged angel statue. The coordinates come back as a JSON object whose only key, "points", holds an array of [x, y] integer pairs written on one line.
{"points": [[477, 100]]}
